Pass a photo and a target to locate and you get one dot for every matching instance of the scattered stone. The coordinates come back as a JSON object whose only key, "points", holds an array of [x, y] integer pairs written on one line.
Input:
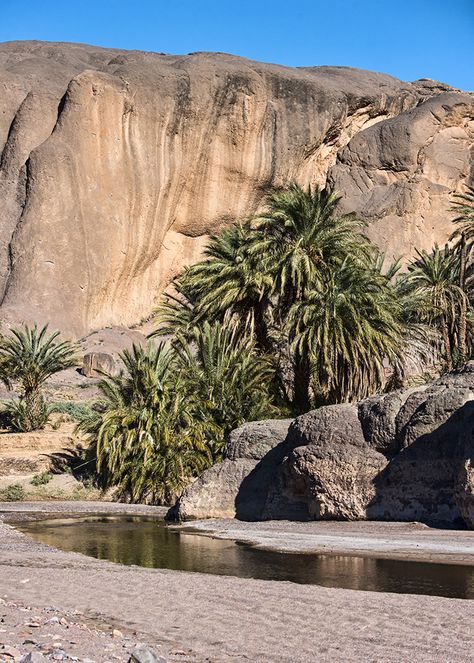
{"points": [[11, 652], [117, 634], [33, 657], [145, 655]]}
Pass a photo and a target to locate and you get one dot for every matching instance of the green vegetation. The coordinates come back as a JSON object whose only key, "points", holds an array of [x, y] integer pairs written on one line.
{"points": [[164, 420], [42, 479], [73, 409], [13, 493], [28, 357], [292, 309]]}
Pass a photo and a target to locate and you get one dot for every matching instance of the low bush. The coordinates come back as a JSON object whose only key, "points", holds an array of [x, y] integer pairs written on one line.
{"points": [[41, 479], [13, 493]]}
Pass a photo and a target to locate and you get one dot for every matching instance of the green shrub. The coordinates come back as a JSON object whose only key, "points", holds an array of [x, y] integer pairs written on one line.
{"points": [[14, 493], [21, 417], [77, 411], [41, 479]]}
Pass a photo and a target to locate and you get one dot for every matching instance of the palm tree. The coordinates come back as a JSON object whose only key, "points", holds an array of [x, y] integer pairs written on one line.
{"points": [[230, 280], [28, 357], [226, 375], [144, 431], [302, 239], [463, 206], [433, 280], [348, 325], [233, 281]]}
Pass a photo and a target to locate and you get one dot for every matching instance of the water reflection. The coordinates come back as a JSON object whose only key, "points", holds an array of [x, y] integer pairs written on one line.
{"points": [[148, 542]]}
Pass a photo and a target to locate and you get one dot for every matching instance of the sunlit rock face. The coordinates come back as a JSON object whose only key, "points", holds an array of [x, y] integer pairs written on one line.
{"points": [[115, 165]]}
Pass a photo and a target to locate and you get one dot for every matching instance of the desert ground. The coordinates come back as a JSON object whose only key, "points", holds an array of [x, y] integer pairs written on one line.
{"points": [[69, 606]]}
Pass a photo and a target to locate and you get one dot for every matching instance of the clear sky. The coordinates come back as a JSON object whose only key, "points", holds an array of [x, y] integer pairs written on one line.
{"points": [[406, 38]]}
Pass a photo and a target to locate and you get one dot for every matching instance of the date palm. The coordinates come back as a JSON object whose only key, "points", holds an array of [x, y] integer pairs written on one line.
{"points": [[229, 281], [301, 239], [28, 357], [463, 206], [348, 325], [144, 432], [434, 279], [226, 375]]}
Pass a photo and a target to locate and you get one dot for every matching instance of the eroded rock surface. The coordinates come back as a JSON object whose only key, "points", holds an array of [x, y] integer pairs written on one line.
{"points": [[115, 165], [407, 455], [253, 450], [399, 174]]}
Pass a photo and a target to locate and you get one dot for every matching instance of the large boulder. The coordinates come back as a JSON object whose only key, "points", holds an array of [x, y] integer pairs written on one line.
{"points": [[331, 468], [116, 165], [408, 455], [98, 364], [228, 488]]}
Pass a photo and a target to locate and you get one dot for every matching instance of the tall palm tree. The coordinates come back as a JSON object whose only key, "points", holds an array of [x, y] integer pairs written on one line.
{"points": [[232, 280], [302, 239], [433, 278], [348, 325], [28, 357], [463, 206]]}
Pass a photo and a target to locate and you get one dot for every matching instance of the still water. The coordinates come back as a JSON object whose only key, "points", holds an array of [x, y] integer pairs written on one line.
{"points": [[148, 542]]}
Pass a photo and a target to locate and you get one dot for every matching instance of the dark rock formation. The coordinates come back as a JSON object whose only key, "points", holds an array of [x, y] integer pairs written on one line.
{"points": [[407, 455], [116, 165]]}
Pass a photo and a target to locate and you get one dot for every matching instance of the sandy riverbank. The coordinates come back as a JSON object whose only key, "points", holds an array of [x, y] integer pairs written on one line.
{"points": [[405, 541], [196, 618]]}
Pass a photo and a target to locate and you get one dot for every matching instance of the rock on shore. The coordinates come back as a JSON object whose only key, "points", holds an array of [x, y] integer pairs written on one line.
{"points": [[407, 455]]}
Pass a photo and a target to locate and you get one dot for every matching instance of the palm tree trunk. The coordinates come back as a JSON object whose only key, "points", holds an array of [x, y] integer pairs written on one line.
{"points": [[462, 326], [261, 329], [301, 382], [447, 344]]}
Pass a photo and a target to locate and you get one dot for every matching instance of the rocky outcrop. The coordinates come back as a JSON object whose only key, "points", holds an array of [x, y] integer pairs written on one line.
{"points": [[253, 449], [399, 174], [98, 364], [407, 455], [116, 165]]}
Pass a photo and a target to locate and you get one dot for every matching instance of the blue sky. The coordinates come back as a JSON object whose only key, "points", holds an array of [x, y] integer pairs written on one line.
{"points": [[406, 38]]}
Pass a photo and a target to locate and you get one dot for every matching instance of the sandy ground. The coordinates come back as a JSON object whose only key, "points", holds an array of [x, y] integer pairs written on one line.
{"points": [[192, 617], [407, 541]]}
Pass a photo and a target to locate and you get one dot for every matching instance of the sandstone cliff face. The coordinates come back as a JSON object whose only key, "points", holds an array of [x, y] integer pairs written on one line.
{"points": [[116, 165], [407, 455]]}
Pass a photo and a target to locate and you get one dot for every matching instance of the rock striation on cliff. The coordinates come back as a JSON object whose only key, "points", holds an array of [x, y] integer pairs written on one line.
{"points": [[115, 165], [407, 455]]}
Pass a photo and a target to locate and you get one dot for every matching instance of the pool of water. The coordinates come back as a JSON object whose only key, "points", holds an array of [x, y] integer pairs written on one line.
{"points": [[148, 542]]}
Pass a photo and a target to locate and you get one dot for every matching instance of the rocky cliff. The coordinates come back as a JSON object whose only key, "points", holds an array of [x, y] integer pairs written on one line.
{"points": [[116, 165], [407, 455]]}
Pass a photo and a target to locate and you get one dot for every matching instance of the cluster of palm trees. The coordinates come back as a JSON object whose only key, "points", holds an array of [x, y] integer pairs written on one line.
{"points": [[335, 320], [289, 310], [165, 418]]}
